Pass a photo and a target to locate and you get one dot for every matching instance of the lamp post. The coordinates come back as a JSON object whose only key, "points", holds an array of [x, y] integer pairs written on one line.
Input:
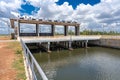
{"points": [[103, 25], [70, 33], [2, 13], [9, 29], [18, 28], [103, 29], [8, 26]]}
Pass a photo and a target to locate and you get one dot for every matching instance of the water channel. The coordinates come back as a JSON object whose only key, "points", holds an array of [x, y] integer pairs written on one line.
{"points": [[94, 63]]}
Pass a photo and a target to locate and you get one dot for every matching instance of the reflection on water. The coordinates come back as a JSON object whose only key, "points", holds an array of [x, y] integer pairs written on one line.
{"points": [[94, 63]]}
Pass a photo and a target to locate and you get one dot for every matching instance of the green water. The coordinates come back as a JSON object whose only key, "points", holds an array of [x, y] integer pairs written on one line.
{"points": [[94, 63]]}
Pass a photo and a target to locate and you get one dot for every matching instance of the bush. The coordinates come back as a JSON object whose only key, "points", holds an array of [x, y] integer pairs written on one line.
{"points": [[13, 36], [18, 51]]}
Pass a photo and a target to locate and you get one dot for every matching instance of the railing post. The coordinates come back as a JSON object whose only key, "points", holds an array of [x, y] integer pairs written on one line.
{"points": [[33, 72], [32, 69]]}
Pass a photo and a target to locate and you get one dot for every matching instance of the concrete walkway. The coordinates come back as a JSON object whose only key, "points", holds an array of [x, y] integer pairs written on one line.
{"points": [[61, 38]]}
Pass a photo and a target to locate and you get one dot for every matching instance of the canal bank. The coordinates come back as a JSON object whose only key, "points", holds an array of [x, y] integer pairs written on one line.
{"points": [[107, 41], [11, 61]]}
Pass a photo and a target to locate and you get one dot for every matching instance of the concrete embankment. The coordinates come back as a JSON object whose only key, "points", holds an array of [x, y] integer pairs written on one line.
{"points": [[107, 41]]}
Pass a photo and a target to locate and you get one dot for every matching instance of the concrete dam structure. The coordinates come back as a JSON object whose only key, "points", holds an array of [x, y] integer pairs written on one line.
{"points": [[48, 42]]}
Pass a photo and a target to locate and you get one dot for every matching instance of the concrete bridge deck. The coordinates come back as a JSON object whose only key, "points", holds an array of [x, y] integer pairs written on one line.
{"points": [[58, 38]]}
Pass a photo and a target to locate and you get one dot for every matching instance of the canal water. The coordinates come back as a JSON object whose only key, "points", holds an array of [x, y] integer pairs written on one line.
{"points": [[94, 63]]}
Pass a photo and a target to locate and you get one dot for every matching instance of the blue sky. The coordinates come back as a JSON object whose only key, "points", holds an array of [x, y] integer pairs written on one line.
{"points": [[91, 14], [27, 8], [74, 3]]}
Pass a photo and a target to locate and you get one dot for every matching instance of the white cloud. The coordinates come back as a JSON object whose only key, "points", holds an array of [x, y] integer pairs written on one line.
{"points": [[105, 12], [8, 9], [38, 3], [4, 28], [53, 11], [4, 22], [9, 6], [16, 14]]}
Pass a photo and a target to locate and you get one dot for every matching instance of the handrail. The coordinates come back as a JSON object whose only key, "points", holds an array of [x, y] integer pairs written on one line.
{"points": [[33, 63]]}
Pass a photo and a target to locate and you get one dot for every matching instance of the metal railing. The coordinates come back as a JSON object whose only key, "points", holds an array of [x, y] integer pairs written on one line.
{"points": [[34, 70]]}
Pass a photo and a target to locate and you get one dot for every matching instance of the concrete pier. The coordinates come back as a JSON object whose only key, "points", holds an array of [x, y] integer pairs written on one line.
{"points": [[86, 43], [82, 43], [70, 45], [48, 47]]}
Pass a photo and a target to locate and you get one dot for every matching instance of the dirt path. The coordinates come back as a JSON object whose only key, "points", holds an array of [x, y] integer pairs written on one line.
{"points": [[7, 57]]}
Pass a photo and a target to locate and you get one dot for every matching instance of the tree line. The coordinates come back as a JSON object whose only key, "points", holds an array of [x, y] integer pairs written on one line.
{"points": [[90, 32]]}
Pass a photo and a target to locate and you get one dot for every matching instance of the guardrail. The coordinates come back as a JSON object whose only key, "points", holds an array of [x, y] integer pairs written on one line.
{"points": [[34, 70]]}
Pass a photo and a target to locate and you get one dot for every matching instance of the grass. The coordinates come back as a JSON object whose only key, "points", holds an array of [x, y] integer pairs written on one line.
{"points": [[18, 63], [5, 37]]}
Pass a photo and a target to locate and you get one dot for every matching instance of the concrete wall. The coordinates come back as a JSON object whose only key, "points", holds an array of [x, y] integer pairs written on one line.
{"points": [[107, 42]]}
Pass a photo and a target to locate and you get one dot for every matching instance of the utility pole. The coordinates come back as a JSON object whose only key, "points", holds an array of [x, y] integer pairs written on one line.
{"points": [[8, 26], [6, 22]]}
